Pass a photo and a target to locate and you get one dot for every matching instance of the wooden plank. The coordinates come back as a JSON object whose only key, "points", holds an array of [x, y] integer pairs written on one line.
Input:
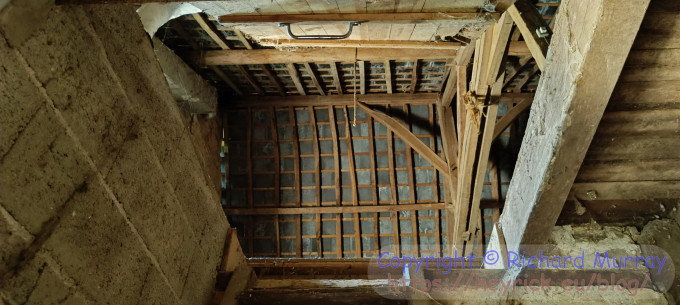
{"points": [[632, 190], [630, 170], [528, 21], [653, 123], [336, 77], [409, 138], [315, 80], [293, 73], [574, 92], [390, 18], [633, 147], [274, 56], [645, 95], [388, 76]]}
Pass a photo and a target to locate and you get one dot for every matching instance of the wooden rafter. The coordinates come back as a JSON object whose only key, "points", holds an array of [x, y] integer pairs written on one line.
{"points": [[315, 80], [388, 76], [414, 76], [317, 178], [353, 179], [336, 77], [510, 116], [529, 21], [336, 180], [293, 73], [265, 68], [362, 76], [393, 190], [219, 39], [409, 138], [415, 236]]}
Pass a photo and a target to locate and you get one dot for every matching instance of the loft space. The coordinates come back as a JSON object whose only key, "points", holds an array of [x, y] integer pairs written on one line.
{"points": [[348, 152]]}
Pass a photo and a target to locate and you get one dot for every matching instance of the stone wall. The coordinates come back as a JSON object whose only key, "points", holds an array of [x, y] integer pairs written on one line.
{"points": [[108, 193]]}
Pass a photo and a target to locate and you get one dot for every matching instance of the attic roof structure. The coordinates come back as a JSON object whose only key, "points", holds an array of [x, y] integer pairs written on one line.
{"points": [[345, 152]]}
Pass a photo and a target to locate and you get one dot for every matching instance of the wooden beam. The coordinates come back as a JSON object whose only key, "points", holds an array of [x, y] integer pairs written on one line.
{"points": [[336, 180], [336, 77], [529, 21], [390, 18], [293, 73], [480, 122], [353, 180], [383, 44], [572, 96], [409, 138], [414, 76], [209, 28], [298, 189], [388, 76], [223, 76], [315, 80], [265, 68], [274, 56], [338, 100], [415, 234], [517, 48], [317, 179]]}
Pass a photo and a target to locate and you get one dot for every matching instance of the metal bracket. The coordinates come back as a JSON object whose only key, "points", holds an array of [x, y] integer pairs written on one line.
{"points": [[322, 37]]}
